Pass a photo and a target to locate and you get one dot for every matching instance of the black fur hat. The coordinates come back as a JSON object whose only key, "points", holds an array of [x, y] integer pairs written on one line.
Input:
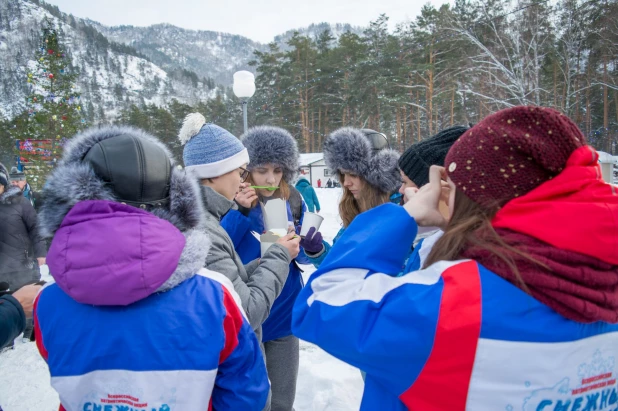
{"points": [[272, 145], [74, 180], [349, 149]]}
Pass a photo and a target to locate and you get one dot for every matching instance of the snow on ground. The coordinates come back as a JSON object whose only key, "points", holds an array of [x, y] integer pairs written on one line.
{"points": [[324, 383]]}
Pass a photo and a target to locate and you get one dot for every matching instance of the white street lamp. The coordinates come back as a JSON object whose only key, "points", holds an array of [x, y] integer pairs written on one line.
{"points": [[244, 88]]}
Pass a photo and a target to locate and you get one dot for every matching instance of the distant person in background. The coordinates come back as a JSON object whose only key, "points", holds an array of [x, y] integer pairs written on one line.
{"points": [[22, 250], [329, 183], [319, 183], [18, 179], [311, 199], [369, 173]]}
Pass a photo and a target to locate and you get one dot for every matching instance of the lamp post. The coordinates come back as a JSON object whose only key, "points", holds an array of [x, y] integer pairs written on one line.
{"points": [[244, 88]]}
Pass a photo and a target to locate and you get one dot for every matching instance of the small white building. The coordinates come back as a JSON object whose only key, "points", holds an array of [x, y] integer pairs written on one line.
{"points": [[313, 167], [608, 167]]}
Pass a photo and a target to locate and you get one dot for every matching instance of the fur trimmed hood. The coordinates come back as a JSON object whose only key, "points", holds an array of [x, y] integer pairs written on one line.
{"points": [[348, 149], [10, 193], [272, 145], [74, 181], [157, 253]]}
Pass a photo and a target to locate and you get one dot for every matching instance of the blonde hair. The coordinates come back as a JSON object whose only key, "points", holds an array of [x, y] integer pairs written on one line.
{"points": [[349, 207]]}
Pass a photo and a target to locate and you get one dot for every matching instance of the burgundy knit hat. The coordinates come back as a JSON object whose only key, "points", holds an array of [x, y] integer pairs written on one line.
{"points": [[512, 152]]}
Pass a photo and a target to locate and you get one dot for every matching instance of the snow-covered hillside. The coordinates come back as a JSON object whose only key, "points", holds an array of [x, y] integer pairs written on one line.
{"points": [[110, 77], [120, 66], [207, 53]]}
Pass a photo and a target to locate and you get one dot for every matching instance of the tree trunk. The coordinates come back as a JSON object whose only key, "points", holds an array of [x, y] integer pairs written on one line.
{"points": [[319, 127], [606, 108], [418, 116], [555, 86], [453, 107], [405, 128], [588, 116], [398, 128]]}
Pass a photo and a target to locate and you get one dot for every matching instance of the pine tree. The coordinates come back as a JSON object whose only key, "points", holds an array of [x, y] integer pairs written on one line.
{"points": [[53, 109]]}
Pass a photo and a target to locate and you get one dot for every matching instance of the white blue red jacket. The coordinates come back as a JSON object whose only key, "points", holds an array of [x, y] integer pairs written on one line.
{"points": [[239, 227], [454, 336], [112, 341]]}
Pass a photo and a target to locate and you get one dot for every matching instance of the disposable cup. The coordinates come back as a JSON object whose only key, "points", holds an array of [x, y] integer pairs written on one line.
{"points": [[310, 220]]}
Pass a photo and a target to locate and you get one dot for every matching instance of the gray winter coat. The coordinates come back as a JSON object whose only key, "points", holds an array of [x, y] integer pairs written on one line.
{"points": [[258, 283]]}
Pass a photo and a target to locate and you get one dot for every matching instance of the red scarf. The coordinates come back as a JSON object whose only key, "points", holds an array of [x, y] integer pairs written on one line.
{"points": [[570, 224]]}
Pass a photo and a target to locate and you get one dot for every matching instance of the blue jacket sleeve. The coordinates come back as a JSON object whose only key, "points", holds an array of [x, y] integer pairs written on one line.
{"points": [[242, 381], [12, 319], [236, 225], [317, 261], [356, 309]]}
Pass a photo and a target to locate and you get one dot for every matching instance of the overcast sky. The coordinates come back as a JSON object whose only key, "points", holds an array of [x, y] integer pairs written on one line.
{"points": [[259, 20]]}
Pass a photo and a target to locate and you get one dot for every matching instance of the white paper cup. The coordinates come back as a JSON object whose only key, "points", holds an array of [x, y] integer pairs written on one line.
{"points": [[310, 220]]}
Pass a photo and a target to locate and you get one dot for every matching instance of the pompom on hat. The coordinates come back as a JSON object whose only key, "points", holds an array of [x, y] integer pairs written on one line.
{"points": [[210, 151], [511, 152]]}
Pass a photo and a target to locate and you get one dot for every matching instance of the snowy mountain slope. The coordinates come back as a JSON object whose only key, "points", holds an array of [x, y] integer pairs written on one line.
{"points": [[124, 65], [207, 53], [111, 76], [314, 30]]}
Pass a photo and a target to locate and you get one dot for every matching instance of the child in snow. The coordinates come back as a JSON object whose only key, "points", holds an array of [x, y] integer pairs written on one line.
{"points": [[513, 309], [274, 163], [218, 160], [133, 318], [369, 174]]}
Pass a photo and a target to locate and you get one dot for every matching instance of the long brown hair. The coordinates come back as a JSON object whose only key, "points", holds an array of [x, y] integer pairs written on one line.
{"points": [[282, 192], [470, 227], [349, 207]]}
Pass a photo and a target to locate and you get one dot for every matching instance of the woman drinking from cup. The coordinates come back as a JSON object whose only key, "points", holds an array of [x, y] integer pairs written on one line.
{"points": [[369, 173], [273, 167]]}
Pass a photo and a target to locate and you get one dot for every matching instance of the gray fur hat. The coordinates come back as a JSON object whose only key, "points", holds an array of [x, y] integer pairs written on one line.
{"points": [[74, 180], [349, 149], [272, 145]]}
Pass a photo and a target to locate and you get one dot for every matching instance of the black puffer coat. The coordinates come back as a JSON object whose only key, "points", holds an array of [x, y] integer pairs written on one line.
{"points": [[20, 243]]}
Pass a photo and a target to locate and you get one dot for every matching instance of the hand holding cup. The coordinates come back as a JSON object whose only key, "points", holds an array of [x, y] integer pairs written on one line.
{"points": [[312, 242]]}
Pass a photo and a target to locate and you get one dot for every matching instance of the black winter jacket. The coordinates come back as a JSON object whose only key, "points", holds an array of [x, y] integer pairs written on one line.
{"points": [[20, 243], [12, 319]]}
